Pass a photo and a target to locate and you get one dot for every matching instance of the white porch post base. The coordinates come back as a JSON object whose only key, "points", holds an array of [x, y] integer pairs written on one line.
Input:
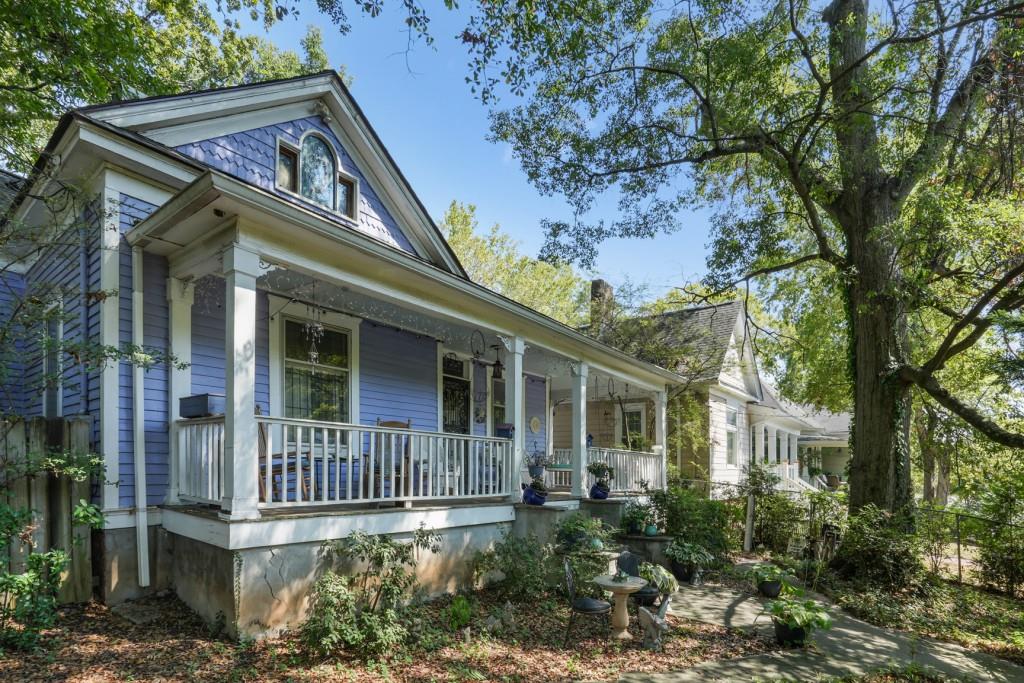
{"points": [[180, 296], [579, 429], [241, 440]]}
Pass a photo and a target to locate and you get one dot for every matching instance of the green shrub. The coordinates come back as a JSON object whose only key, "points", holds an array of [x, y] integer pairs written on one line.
{"points": [[777, 520], [935, 530], [460, 612], [28, 601], [879, 549], [687, 554], [362, 613], [691, 517], [1001, 540], [1001, 556], [522, 563]]}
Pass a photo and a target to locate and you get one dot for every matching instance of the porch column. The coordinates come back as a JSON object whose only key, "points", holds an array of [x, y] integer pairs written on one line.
{"points": [[515, 405], [180, 297], [660, 421], [579, 428], [241, 441], [773, 451], [792, 456]]}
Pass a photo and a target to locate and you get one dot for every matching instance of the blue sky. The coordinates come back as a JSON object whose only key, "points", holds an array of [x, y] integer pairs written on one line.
{"points": [[423, 110]]}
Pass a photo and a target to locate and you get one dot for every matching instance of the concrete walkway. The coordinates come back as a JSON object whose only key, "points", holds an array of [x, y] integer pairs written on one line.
{"points": [[850, 647]]}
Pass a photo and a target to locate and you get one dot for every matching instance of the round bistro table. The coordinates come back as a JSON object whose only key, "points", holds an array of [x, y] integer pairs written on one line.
{"points": [[620, 590]]}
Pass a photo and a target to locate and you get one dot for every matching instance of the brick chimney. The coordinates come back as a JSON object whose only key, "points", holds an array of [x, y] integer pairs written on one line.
{"points": [[602, 298]]}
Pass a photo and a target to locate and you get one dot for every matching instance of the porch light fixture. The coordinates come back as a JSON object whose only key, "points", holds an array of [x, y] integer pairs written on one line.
{"points": [[496, 372]]}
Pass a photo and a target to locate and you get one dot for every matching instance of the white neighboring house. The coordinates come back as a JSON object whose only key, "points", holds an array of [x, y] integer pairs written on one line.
{"points": [[745, 418]]}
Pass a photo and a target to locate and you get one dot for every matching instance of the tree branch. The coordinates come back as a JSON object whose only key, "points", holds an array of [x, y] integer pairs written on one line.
{"points": [[971, 416]]}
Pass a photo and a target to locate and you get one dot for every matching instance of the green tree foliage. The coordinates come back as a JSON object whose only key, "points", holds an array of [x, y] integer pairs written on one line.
{"points": [[865, 144], [494, 260], [60, 54]]}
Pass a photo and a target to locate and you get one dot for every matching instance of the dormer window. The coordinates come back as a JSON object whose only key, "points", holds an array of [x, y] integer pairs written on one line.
{"points": [[312, 172]]}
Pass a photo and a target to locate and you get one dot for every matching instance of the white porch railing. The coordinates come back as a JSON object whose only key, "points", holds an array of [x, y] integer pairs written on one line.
{"points": [[629, 468], [307, 462], [201, 460]]}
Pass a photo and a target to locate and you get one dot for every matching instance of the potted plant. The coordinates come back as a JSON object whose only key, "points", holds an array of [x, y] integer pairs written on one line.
{"points": [[536, 464], [536, 493], [659, 577], [603, 474], [579, 531], [795, 618], [635, 517], [651, 526], [687, 559], [768, 579]]}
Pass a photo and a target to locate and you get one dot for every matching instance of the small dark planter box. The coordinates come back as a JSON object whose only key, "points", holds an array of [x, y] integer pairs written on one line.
{"points": [[770, 589], [786, 635], [201, 405]]}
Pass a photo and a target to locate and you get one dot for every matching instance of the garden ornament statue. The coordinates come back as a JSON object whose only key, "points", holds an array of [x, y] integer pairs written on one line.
{"points": [[655, 625]]}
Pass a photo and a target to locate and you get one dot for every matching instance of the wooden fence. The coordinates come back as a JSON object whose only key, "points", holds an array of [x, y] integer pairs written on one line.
{"points": [[50, 497]]}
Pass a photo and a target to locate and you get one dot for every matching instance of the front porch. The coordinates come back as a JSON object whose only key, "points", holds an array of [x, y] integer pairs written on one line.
{"points": [[355, 375]]}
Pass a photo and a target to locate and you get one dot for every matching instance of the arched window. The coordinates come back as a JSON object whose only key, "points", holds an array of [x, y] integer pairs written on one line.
{"points": [[317, 171]]}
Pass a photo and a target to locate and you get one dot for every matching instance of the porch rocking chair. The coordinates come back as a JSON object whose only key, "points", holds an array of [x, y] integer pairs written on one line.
{"points": [[278, 475], [581, 605], [373, 487]]}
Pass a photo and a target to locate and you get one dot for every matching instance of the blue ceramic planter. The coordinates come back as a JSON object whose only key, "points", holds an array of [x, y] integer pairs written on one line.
{"points": [[598, 493], [531, 497]]}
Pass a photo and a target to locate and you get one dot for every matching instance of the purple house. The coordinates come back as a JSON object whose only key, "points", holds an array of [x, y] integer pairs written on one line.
{"points": [[337, 370]]}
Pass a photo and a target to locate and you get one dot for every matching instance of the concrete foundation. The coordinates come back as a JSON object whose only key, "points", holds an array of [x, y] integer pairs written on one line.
{"points": [[261, 592], [116, 563], [608, 511], [651, 548], [539, 520]]}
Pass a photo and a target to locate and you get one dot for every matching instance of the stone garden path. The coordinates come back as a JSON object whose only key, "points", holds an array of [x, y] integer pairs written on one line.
{"points": [[850, 647]]}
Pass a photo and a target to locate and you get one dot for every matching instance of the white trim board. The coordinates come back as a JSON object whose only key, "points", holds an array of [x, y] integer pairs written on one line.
{"points": [[262, 533]]}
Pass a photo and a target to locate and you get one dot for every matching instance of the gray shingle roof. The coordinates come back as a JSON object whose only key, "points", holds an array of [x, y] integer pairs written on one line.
{"points": [[704, 332], [10, 184]]}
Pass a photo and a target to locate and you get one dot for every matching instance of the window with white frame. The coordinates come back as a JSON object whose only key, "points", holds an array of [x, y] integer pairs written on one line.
{"points": [[632, 424], [316, 372], [497, 404], [456, 394], [52, 366], [731, 435], [312, 171]]}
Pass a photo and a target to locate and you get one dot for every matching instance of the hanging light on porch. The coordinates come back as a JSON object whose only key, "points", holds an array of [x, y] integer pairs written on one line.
{"points": [[496, 371]]}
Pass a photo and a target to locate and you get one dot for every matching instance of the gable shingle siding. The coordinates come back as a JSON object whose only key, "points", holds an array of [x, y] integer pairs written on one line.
{"points": [[251, 155]]}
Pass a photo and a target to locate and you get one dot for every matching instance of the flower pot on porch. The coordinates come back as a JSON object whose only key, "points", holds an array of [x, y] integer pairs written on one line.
{"points": [[770, 589], [651, 530], [789, 635], [533, 497], [599, 493]]}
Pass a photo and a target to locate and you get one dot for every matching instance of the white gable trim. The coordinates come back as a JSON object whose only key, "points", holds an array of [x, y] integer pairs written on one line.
{"points": [[349, 124]]}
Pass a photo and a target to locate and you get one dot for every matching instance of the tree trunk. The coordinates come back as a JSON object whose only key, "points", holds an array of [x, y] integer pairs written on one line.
{"points": [[942, 477], [880, 468], [924, 423]]}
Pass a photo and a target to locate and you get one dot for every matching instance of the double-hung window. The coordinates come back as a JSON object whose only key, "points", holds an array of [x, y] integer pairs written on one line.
{"points": [[731, 435], [632, 424], [316, 372]]}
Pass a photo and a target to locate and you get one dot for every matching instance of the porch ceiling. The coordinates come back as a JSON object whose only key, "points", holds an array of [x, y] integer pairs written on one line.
{"points": [[216, 210]]}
